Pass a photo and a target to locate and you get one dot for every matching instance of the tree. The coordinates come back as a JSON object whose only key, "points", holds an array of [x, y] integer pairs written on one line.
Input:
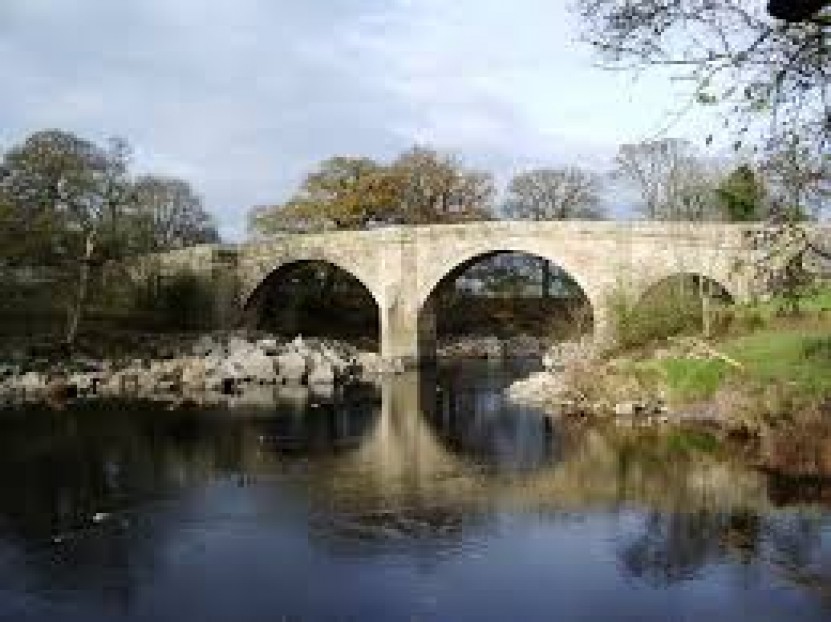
{"points": [[343, 193], [421, 186], [68, 206], [772, 66], [554, 194], [799, 181], [432, 187], [742, 195], [168, 214], [62, 189], [673, 182]]}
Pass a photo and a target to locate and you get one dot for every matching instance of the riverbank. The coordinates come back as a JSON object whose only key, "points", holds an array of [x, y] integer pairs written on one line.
{"points": [[222, 362], [767, 381], [182, 366]]}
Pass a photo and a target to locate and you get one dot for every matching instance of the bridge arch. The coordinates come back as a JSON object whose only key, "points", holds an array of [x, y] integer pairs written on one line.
{"points": [[717, 282], [264, 272], [463, 259], [450, 272], [273, 295]]}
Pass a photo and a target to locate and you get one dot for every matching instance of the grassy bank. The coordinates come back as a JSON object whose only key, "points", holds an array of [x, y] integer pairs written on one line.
{"points": [[765, 360]]}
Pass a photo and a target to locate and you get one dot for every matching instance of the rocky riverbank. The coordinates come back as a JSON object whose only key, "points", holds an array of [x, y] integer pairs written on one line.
{"points": [[577, 380], [218, 364]]}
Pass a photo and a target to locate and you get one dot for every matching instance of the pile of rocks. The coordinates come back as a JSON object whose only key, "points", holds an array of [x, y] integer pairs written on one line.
{"points": [[564, 355], [212, 364], [471, 348], [575, 381], [491, 347], [551, 386]]}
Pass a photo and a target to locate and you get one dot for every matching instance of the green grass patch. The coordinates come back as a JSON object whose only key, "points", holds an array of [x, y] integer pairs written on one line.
{"points": [[817, 302], [692, 441], [795, 357], [693, 379]]}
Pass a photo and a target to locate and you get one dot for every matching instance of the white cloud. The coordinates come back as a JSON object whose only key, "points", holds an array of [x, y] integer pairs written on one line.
{"points": [[242, 96]]}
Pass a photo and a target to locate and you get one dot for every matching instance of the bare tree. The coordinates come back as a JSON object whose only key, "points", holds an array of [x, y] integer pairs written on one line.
{"points": [[435, 187], [799, 180], [554, 194], [772, 65], [168, 214], [674, 184]]}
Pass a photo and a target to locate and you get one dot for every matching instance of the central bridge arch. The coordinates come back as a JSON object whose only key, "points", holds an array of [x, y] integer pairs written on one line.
{"points": [[428, 299]]}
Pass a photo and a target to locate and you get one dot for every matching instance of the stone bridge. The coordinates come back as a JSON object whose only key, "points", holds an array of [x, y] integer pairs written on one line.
{"points": [[402, 266]]}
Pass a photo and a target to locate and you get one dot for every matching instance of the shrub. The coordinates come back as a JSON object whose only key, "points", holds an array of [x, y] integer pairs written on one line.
{"points": [[179, 302], [638, 323], [818, 349]]}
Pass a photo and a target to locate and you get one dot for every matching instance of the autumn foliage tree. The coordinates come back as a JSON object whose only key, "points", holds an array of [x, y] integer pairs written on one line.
{"points": [[421, 186]]}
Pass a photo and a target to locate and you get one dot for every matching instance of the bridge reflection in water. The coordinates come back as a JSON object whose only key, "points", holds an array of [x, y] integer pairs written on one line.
{"points": [[322, 505], [449, 436]]}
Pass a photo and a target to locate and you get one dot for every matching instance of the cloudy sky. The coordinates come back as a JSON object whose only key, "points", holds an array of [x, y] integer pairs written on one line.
{"points": [[241, 97]]}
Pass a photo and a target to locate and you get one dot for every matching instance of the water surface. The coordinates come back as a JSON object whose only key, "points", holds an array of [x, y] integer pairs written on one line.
{"points": [[428, 498]]}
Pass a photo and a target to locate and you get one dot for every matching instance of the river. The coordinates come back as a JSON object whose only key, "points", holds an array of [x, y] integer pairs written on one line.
{"points": [[429, 497]]}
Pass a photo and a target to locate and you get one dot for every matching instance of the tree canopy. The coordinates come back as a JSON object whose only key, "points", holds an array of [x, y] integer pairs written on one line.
{"points": [[554, 194], [771, 65], [674, 183], [420, 186], [68, 205], [742, 195]]}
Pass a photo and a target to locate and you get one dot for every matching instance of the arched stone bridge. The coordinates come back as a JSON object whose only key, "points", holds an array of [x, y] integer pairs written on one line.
{"points": [[401, 266]]}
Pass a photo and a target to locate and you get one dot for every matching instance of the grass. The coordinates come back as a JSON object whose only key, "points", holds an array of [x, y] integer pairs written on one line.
{"points": [[797, 358], [691, 379], [692, 441], [791, 352], [785, 356]]}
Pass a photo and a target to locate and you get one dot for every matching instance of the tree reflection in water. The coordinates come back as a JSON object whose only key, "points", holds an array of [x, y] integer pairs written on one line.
{"points": [[432, 470]]}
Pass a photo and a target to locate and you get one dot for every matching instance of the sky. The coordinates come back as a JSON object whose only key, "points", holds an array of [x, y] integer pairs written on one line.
{"points": [[242, 97]]}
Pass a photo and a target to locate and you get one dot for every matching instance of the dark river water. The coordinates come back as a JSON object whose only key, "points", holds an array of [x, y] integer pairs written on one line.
{"points": [[428, 498]]}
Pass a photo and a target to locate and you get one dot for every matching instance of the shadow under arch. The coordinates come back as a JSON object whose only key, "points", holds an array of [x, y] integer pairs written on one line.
{"points": [[314, 297], [688, 283], [671, 305], [561, 296]]}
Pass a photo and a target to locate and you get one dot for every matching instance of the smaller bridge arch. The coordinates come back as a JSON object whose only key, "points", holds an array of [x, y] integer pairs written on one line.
{"points": [[716, 277], [316, 297]]}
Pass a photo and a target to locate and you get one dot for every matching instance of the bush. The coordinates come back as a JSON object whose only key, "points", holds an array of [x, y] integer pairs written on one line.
{"points": [[638, 323], [180, 302], [818, 349]]}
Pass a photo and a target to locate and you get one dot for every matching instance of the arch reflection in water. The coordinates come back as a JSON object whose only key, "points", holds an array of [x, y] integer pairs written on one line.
{"points": [[311, 420], [468, 408], [425, 418]]}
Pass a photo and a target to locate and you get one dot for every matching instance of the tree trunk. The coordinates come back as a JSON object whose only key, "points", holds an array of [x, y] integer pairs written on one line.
{"points": [[704, 294], [81, 293], [546, 279]]}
